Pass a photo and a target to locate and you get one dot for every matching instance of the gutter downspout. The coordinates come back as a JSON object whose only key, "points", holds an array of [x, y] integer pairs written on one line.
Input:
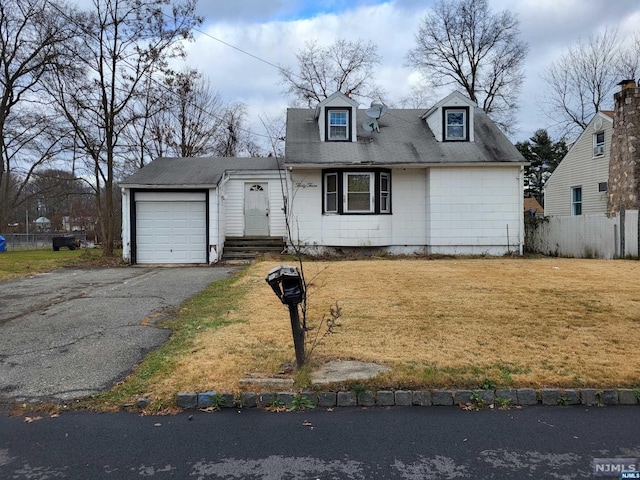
{"points": [[521, 214]]}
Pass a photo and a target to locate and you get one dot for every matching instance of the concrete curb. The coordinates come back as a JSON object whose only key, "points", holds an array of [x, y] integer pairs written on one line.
{"points": [[388, 398]]}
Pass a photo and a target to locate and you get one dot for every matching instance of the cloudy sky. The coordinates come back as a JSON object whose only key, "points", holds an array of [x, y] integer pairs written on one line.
{"points": [[275, 30]]}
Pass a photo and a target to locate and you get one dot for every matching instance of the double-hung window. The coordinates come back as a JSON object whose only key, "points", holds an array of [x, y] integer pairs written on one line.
{"points": [[331, 193], [358, 192], [598, 144], [456, 127], [385, 192], [576, 201], [338, 124], [353, 192]]}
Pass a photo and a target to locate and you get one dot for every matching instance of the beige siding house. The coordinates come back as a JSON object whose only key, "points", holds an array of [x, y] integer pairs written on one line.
{"points": [[578, 186]]}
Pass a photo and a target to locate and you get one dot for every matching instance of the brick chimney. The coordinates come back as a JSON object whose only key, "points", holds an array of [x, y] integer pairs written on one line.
{"points": [[624, 164]]}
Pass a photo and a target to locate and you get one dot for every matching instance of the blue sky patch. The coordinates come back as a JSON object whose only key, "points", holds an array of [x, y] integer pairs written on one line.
{"points": [[312, 8]]}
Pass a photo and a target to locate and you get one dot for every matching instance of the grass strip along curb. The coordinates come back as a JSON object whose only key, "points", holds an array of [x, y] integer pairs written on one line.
{"points": [[470, 399]]}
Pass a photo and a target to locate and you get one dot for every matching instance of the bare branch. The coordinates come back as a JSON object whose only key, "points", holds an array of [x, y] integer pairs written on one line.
{"points": [[344, 66], [461, 43]]}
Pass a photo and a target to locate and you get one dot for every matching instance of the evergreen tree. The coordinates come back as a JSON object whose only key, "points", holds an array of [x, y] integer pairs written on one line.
{"points": [[544, 155]]}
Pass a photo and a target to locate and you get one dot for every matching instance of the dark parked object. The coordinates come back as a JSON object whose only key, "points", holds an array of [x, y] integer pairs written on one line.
{"points": [[3, 244], [68, 241]]}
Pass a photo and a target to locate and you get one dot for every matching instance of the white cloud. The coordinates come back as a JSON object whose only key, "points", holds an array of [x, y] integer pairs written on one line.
{"points": [[276, 30]]}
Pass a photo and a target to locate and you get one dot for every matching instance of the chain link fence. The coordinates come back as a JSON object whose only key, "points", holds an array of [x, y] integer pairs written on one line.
{"points": [[39, 241]]}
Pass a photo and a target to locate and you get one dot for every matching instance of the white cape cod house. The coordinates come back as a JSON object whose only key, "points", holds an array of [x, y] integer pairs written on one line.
{"points": [[444, 181]]}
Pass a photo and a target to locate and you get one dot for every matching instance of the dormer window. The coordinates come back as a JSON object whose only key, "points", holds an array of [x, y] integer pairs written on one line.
{"points": [[598, 144], [456, 124], [338, 124]]}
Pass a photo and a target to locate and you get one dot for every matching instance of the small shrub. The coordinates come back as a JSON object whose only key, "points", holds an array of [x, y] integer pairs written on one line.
{"points": [[217, 401], [277, 406], [477, 402], [238, 400], [488, 384], [300, 402]]}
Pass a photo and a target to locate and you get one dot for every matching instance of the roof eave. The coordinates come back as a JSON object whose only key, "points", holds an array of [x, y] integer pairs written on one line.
{"points": [[307, 166], [142, 186]]}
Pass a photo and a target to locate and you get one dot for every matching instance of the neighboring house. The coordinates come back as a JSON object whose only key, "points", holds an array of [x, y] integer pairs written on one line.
{"points": [[445, 181], [43, 224], [532, 208], [442, 182], [181, 210], [579, 183]]}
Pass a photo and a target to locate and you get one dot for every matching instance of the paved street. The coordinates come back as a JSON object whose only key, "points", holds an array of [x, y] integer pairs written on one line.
{"points": [[72, 333], [412, 443]]}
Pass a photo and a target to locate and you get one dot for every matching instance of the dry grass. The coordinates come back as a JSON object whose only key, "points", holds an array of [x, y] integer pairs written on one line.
{"points": [[21, 263], [440, 323]]}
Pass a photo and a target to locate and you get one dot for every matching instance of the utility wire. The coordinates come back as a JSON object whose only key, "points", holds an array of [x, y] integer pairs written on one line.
{"points": [[167, 88]]}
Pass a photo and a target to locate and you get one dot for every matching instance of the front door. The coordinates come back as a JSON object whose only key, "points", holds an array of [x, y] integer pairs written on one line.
{"points": [[256, 210]]}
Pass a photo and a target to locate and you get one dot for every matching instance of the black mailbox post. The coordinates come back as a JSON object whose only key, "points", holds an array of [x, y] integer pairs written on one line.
{"points": [[288, 285], [286, 282]]}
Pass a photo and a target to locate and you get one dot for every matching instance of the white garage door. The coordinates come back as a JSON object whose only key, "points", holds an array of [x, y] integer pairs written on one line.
{"points": [[171, 228]]}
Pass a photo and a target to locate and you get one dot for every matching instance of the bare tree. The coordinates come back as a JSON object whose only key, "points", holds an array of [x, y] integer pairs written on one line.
{"points": [[461, 43], [179, 115], [344, 66], [582, 82], [630, 58], [119, 44], [30, 34]]}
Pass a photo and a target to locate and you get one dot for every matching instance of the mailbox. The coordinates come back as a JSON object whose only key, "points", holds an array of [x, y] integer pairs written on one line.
{"points": [[287, 284]]}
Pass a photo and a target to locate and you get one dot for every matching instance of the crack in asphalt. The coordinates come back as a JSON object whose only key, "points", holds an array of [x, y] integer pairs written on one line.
{"points": [[4, 358]]}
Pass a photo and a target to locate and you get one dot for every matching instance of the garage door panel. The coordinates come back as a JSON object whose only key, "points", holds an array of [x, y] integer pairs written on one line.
{"points": [[170, 229]]}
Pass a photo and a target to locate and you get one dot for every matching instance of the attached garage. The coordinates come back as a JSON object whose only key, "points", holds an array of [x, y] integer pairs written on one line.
{"points": [[171, 227], [182, 210]]}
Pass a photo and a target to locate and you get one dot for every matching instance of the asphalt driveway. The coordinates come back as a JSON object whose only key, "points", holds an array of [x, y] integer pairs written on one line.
{"points": [[72, 333]]}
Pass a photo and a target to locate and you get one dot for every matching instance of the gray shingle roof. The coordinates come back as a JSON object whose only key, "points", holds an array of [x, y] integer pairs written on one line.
{"points": [[194, 172], [404, 138]]}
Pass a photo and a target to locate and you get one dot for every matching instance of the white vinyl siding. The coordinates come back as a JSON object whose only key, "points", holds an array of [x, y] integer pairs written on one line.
{"points": [[233, 193], [440, 210], [580, 167], [475, 210]]}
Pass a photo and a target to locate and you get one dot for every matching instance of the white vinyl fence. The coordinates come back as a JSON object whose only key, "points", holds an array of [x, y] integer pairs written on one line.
{"points": [[584, 236]]}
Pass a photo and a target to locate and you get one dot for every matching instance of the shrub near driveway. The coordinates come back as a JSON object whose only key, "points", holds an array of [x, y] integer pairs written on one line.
{"points": [[450, 323]]}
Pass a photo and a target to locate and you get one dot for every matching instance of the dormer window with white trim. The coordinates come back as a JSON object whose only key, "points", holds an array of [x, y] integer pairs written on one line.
{"points": [[598, 144], [338, 124], [456, 124]]}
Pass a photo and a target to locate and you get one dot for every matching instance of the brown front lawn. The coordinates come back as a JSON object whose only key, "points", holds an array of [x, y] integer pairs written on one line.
{"points": [[465, 323]]}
